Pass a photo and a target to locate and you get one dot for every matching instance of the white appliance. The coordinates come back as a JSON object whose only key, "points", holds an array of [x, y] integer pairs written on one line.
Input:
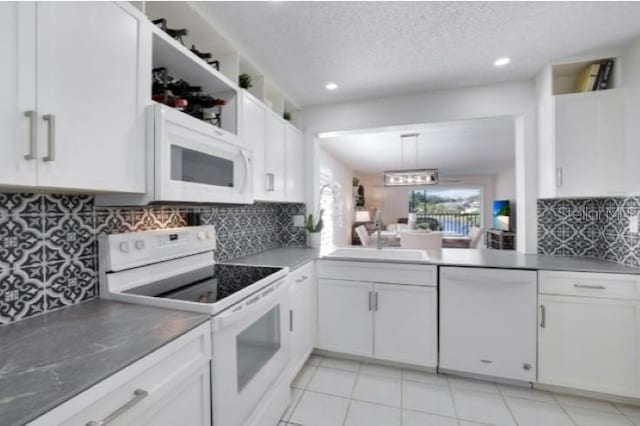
{"points": [[249, 305], [191, 161], [488, 322]]}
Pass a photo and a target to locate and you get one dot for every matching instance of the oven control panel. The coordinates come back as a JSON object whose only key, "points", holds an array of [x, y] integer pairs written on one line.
{"points": [[123, 251]]}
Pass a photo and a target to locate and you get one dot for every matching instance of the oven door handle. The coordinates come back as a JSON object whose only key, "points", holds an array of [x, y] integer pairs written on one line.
{"points": [[265, 297]]}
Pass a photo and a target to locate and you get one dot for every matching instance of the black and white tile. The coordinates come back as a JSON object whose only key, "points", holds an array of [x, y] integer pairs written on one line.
{"points": [[589, 227], [48, 242]]}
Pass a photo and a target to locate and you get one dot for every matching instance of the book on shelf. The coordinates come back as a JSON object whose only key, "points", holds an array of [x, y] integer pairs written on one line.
{"points": [[588, 78], [595, 76], [604, 76]]}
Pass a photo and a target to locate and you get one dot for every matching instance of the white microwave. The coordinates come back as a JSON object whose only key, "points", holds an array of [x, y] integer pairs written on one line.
{"points": [[190, 161]]}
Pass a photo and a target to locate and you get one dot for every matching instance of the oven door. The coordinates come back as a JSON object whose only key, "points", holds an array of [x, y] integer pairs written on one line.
{"points": [[194, 162], [251, 352]]}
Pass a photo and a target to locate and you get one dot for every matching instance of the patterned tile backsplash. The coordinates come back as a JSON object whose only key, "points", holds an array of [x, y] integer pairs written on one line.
{"points": [[589, 227], [48, 243]]}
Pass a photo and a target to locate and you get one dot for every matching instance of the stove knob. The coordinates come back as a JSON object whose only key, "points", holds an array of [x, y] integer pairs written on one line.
{"points": [[202, 235], [124, 247], [209, 234], [140, 244]]}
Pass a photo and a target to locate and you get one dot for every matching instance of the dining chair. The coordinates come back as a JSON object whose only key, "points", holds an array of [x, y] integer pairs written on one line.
{"points": [[421, 240], [475, 235], [363, 235]]}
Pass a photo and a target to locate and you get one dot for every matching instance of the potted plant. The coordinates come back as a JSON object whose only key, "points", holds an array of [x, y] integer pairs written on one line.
{"points": [[314, 230], [244, 81]]}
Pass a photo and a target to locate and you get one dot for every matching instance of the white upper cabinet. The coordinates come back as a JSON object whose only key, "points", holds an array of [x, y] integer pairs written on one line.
{"points": [[274, 160], [581, 134], [18, 138], [253, 125], [589, 144], [294, 160], [88, 65]]}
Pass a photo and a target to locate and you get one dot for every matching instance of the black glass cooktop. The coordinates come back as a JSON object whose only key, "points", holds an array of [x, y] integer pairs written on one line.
{"points": [[206, 285]]}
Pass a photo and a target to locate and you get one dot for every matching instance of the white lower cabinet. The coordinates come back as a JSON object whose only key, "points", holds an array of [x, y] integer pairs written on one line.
{"points": [[589, 332], [405, 324], [488, 322], [391, 322], [302, 316], [345, 322], [168, 387]]}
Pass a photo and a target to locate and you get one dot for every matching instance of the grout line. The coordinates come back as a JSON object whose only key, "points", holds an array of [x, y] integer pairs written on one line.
{"points": [[564, 410], [353, 389], [507, 404], [453, 400]]}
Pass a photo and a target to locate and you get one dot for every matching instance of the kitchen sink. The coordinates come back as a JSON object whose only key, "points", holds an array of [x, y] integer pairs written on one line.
{"points": [[363, 253]]}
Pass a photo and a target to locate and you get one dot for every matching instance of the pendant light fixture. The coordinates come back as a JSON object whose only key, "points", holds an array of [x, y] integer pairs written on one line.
{"points": [[410, 177]]}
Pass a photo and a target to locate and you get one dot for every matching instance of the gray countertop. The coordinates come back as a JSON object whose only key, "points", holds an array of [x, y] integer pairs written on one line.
{"points": [[50, 358], [513, 260], [483, 258], [283, 257]]}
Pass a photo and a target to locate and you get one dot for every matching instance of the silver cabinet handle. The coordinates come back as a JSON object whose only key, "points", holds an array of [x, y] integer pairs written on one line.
{"points": [[486, 361], [271, 179], [290, 319], [370, 303], [51, 120], [302, 279], [592, 287], [33, 135], [543, 317], [140, 394], [559, 177], [375, 303]]}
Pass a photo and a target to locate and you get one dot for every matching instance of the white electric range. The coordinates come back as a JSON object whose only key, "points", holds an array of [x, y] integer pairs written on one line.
{"points": [[175, 268]]}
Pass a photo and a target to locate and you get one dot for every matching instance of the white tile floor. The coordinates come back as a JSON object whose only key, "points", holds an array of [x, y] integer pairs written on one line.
{"points": [[335, 392]]}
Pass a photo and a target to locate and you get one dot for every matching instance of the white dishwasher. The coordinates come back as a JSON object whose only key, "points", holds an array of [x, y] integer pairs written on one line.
{"points": [[488, 322]]}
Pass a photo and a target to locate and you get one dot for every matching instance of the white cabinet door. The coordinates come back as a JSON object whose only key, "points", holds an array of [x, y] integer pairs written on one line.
{"points": [[274, 158], [93, 83], [253, 124], [294, 163], [345, 317], [589, 144], [406, 323], [488, 322], [187, 403], [590, 344], [18, 153], [302, 316]]}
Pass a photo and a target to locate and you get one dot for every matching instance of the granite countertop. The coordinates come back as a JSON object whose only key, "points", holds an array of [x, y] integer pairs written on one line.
{"points": [[48, 359], [290, 257], [482, 258]]}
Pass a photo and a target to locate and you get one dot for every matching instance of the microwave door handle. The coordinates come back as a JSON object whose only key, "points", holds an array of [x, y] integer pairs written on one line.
{"points": [[230, 316]]}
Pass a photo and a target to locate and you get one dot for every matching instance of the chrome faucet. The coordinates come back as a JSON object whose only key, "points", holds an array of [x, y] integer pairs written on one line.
{"points": [[378, 225]]}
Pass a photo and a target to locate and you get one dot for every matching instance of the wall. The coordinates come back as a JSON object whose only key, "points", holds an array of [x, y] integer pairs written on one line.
{"points": [[597, 227], [505, 188], [516, 99], [343, 176], [48, 250], [394, 201]]}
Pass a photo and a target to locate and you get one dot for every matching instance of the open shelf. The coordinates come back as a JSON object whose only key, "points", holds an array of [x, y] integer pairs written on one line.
{"points": [[565, 76], [203, 33], [180, 62]]}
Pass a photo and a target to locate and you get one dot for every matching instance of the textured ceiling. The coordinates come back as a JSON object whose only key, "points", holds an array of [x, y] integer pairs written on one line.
{"points": [[469, 147], [374, 49]]}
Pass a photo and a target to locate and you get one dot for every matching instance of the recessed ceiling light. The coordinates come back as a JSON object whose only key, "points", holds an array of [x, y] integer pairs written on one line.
{"points": [[501, 62], [331, 86]]}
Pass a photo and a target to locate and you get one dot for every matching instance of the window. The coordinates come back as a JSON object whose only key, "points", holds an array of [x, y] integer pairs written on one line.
{"points": [[453, 211]]}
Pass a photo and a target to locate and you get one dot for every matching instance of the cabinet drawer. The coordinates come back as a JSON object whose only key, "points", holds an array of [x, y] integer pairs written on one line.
{"points": [[613, 286], [301, 277], [379, 272], [136, 390]]}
